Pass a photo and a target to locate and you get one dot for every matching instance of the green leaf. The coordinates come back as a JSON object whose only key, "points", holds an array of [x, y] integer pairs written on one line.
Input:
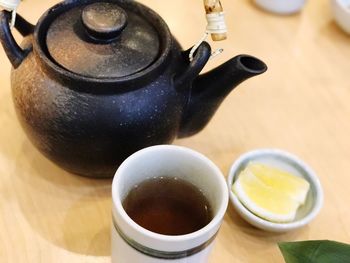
{"points": [[321, 251]]}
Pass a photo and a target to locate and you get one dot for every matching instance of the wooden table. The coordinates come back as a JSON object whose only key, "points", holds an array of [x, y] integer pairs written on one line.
{"points": [[301, 105]]}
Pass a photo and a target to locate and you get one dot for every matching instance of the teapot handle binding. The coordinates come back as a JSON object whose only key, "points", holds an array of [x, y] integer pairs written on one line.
{"points": [[13, 51]]}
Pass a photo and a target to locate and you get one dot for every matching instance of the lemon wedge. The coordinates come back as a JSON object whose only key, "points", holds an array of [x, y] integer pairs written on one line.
{"points": [[294, 186], [270, 193]]}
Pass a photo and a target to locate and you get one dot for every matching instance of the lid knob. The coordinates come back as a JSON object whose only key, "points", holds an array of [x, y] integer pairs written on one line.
{"points": [[104, 21]]}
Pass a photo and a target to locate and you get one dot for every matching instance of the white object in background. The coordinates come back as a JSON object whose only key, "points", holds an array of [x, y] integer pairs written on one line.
{"points": [[284, 7], [290, 163], [341, 11], [133, 243], [11, 5]]}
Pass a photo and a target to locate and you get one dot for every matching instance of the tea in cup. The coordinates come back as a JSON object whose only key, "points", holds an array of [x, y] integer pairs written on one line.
{"points": [[168, 204]]}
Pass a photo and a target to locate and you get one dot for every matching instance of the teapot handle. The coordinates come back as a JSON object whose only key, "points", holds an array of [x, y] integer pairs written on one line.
{"points": [[13, 51], [193, 69]]}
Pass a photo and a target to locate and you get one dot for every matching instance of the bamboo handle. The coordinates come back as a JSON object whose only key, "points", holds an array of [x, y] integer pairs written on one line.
{"points": [[215, 7]]}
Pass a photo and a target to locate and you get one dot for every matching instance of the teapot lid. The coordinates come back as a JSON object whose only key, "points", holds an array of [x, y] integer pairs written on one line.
{"points": [[102, 40]]}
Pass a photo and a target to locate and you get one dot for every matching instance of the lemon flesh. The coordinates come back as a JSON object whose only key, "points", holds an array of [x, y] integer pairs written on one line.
{"points": [[296, 187], [270, 193]]}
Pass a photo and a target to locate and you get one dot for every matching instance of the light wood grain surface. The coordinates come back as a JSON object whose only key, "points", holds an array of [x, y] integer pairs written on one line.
{"points": [[301, 105]]}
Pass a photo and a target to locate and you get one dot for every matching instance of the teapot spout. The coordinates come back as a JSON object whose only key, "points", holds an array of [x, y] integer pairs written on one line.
{"points": [[210, 89]]}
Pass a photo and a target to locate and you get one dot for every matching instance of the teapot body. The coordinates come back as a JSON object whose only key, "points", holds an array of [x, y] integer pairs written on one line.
{"points": [[90, 131], [88, 94]]}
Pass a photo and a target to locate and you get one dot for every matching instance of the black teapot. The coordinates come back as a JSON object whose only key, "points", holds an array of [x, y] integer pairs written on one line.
{"points": [[95, 81]]}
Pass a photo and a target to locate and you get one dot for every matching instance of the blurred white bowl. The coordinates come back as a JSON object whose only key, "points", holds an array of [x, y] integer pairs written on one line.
{"points": [[290, 163], [284, 7], [341, 11]]}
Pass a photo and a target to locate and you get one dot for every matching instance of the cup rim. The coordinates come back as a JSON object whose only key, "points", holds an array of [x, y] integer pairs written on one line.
{"points": [[117, 203], [265, 224]]}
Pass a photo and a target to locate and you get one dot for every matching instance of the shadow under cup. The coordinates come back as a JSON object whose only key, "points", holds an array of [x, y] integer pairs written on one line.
{"points": [[133, 243]]}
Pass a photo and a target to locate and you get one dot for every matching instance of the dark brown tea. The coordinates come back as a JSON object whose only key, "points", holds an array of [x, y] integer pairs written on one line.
{"points": [[168, 206]]}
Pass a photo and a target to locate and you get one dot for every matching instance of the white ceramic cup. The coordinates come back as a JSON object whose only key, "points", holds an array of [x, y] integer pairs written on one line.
{"points": [[283, 7], [132, 243], [341, 11]]}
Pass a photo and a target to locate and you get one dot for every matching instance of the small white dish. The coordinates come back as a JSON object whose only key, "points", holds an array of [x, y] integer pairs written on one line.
{"points": [[283, 7], [341, 12], [287, 162]]}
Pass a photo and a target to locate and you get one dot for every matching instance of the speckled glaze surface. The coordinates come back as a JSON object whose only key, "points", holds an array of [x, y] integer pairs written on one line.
{"points": [[91, 134], [89, 125]]}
